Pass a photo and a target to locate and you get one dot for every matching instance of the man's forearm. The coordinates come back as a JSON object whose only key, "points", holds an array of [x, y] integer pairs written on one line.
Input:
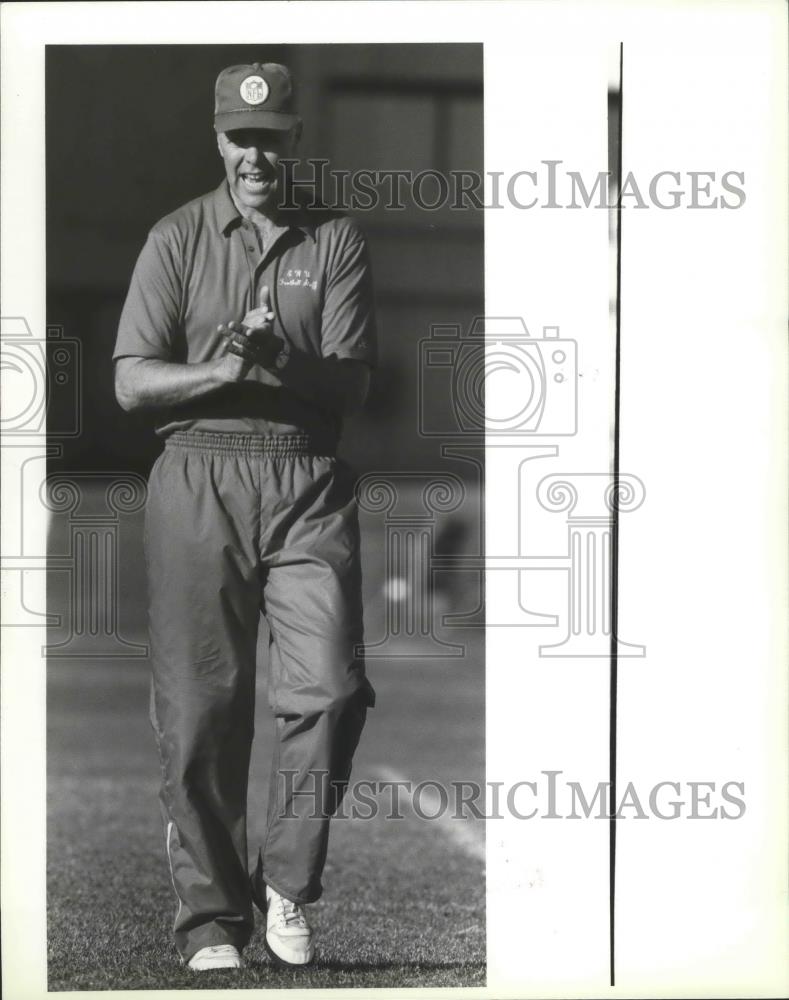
{"points": [[336, 385], [147, 383]]}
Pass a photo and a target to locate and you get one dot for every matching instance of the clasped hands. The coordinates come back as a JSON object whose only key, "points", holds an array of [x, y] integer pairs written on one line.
{"points": [[252, 341]]}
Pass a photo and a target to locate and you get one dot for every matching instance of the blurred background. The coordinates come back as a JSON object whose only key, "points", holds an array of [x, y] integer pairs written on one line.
{"points": [[130, 138]]}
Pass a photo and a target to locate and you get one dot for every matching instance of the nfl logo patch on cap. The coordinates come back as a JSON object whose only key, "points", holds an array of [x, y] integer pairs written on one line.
{"points": [[254, 90]]}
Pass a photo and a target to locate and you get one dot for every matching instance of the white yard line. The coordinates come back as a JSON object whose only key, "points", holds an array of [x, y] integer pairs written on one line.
{"points": [[464, 834]]}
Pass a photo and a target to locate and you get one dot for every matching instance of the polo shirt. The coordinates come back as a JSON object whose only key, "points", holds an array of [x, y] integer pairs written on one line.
{"points": [[201, 266]]}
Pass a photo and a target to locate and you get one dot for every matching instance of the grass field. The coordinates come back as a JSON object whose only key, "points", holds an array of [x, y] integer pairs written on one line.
{"points": [[404, 899]]}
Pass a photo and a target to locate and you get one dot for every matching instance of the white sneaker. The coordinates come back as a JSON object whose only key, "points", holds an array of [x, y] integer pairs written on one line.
{"points": [[215, 956], [288, 935]]}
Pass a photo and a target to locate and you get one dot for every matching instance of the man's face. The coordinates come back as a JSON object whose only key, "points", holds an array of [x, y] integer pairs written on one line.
{"points": [[251, 157]]}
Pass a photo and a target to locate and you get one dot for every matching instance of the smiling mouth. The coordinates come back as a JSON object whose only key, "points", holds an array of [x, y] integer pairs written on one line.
{"points": [[255, 181]]}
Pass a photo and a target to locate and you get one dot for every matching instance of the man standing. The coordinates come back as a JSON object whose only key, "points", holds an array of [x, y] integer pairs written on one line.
{"points": [[249, 328]]}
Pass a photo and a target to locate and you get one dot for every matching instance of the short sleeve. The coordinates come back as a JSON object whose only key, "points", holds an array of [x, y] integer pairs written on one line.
{"points": [[348, 327], [151, 313]]}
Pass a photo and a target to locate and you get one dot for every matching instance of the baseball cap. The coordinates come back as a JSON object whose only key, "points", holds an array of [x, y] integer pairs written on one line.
{"points": [[259, 95]]}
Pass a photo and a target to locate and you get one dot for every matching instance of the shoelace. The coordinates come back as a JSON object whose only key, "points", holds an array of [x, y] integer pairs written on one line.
{"points": [[291, 913]]}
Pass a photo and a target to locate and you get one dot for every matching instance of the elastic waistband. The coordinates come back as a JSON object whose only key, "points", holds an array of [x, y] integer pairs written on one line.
{"points": [[276, 446]]}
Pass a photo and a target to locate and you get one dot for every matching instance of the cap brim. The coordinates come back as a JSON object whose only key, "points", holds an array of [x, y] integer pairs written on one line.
{"points": [[255, 118]]}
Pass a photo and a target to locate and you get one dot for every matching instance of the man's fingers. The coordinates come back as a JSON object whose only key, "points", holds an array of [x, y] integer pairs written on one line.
{"points": [[255, 344], [241, 339], [258, 317], [265, 304], [241, 352], [239, 345], [233, 329]]}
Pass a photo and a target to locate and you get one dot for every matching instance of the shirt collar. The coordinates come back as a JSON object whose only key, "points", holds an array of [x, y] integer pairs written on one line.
{"points": [[228, 216]]}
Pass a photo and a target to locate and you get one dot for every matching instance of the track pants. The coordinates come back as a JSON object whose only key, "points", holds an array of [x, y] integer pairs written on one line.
{"points": [[236, 524]]}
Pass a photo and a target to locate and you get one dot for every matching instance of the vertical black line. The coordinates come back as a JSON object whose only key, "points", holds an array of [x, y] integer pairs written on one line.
{"points": [[612, 721]]}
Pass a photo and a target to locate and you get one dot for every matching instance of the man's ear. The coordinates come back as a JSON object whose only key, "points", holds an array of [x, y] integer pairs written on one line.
{"points": [[219, 137]]}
